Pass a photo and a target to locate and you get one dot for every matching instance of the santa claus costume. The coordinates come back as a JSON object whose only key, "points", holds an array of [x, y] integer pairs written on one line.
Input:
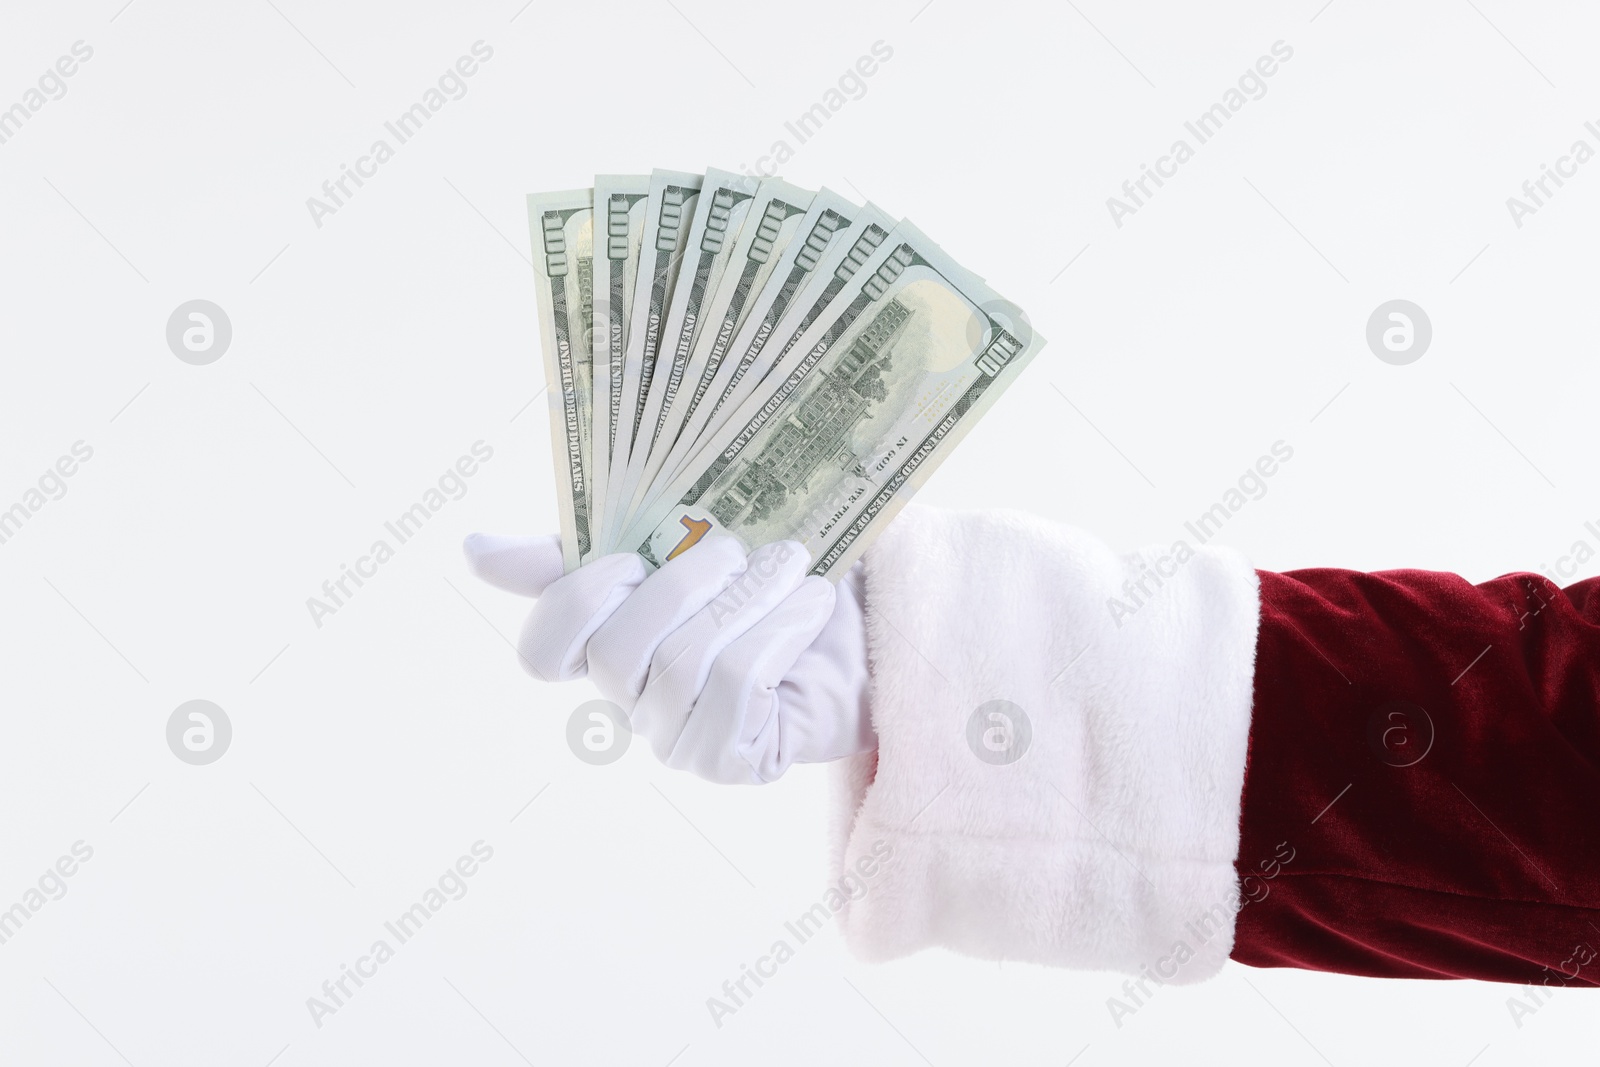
{"points": [[1148, 763], [1392, 774]]}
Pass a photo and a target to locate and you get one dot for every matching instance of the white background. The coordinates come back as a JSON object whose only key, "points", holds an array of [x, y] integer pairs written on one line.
{"points": [[369, 353]]}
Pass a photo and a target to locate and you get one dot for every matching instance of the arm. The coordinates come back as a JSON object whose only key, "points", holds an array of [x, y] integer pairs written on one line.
{"points": [[1144, 763], [1108, 830], [1430, 749]]}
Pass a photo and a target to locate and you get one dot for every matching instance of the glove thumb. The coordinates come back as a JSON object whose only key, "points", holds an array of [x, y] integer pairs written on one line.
{"points": [[518, 564]]}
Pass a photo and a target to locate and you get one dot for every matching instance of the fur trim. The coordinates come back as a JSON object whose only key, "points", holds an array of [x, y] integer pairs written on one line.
{"points": [[1110, 840]]}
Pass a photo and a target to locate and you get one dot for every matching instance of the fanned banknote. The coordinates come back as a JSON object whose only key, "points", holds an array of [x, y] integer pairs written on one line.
{"points": [[839, 237], [619, 203], [776, 216], [867, 402], [563, 245], [785, 365], [669, 213], [706, 250]]}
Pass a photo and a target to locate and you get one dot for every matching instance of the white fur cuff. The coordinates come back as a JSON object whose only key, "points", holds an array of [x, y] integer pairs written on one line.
{"points": [[1061, 755]]}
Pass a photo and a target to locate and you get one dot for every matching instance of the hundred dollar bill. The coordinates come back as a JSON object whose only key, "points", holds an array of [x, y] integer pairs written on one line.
{"points": [[852, 421], [836, 237], [669, 213], [562, 233], [724, 204], [774, 218], [827, 288], [619, 203]]}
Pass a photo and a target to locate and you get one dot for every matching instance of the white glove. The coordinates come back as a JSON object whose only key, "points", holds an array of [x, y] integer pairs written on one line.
{"points": [[731, 667]]}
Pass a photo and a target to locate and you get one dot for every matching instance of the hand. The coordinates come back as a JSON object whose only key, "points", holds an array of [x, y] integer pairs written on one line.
{"points": [[732, 667]]}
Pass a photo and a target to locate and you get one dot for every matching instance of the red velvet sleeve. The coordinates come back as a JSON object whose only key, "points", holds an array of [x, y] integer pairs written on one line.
{"points": [[1422, 795]]}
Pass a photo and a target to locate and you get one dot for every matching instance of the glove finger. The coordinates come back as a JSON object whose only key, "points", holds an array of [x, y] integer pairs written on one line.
{"points": [[557, 631], [683, 659], [518, 564], [620, 650], [735, 732]]}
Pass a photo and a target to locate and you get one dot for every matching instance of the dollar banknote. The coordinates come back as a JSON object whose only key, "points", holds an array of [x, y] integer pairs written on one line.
{"points": [[826, 287], [619, 203], [562, 235], [669, 213], [870, 398], [778, 214], [737, 355], [775, 217], [707, 249], [838, 236]]}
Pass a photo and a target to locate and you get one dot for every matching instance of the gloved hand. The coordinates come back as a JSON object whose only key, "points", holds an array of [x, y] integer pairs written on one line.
{"points": [[732, 667]]}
